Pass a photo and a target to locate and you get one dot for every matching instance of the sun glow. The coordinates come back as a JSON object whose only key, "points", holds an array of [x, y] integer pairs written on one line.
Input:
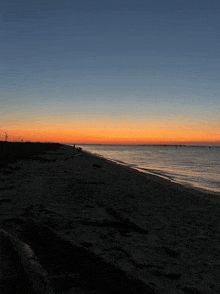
{"points": [[107, 132]]}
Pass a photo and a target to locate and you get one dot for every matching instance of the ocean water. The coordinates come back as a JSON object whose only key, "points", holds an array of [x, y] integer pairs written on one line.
{"points": [[198, 167]]}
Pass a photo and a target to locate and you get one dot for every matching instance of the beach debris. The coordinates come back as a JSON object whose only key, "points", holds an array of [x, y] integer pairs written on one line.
{"points": [[13, 278], [171, 276], [124, 225], [35, 272], [42, 159], [7, 172], [170, 252], [73, 156], [5, 201], [69, 266], [86, 244], [7, 188], [188, 290], [97, 165], [15, 166]]}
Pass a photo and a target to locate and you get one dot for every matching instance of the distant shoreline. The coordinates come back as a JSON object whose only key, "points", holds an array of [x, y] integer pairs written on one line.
{"points": [[168, 145]]}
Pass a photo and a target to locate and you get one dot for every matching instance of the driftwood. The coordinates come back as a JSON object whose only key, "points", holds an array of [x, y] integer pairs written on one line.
{"points": [[34, 271]]}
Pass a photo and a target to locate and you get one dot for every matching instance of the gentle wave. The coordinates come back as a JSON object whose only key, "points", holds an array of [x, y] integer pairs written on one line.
{"points": [[198, 167]]}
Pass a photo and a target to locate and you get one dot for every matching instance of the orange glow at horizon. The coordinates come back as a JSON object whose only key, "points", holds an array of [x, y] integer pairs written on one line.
{"points": [[111, 134]]}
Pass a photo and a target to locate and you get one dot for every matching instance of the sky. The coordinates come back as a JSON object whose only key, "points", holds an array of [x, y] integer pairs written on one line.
{"points": [[110, 71]]}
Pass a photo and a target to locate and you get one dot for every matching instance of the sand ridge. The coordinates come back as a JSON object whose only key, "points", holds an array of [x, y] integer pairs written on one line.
{"points": [[160, 233]]}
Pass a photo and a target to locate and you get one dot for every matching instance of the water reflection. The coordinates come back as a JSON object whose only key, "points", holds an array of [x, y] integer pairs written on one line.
{"points": [[198, 166]]}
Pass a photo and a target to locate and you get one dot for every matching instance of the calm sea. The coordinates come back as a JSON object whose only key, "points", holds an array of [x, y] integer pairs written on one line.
{"points": [[198, 167]]}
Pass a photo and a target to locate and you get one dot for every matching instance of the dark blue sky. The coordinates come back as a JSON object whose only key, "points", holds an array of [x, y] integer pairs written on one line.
{"points": [[137, 61]]}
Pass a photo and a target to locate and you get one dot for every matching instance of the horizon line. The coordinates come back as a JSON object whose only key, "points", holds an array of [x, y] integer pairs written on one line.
{"points": [[216, 144]]}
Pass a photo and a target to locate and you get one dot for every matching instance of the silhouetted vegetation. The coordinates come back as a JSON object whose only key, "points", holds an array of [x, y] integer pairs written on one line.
{"points": [[10, 152]]}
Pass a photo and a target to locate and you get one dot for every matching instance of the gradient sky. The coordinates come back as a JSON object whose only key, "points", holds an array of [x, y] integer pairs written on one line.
{"points": [[110, 71]]}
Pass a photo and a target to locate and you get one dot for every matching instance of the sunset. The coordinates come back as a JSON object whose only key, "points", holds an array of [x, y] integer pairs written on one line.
{"points": [[109, 132], [106, 72], [109, 146]]}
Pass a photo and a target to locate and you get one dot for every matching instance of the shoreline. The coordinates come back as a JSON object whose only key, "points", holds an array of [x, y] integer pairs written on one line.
{"points": [[189, 186], [160, 235], [166, 177]]}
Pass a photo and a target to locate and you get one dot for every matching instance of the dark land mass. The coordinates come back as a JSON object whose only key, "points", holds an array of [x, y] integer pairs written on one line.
{"points": [[72, 222], [11, 152]]}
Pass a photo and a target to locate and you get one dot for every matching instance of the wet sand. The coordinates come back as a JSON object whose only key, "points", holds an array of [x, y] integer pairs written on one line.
{"points": [[115, 229]]}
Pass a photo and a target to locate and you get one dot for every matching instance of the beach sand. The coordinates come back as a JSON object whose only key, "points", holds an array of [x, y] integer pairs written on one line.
{"points": [[100, 227]]}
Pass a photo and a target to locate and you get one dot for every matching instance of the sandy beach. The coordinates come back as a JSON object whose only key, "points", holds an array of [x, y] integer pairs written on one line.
{"points": [[99, 227]]}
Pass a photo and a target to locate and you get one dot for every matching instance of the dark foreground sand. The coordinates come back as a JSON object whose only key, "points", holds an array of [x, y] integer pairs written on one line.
{"points": [[98, 227]]}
